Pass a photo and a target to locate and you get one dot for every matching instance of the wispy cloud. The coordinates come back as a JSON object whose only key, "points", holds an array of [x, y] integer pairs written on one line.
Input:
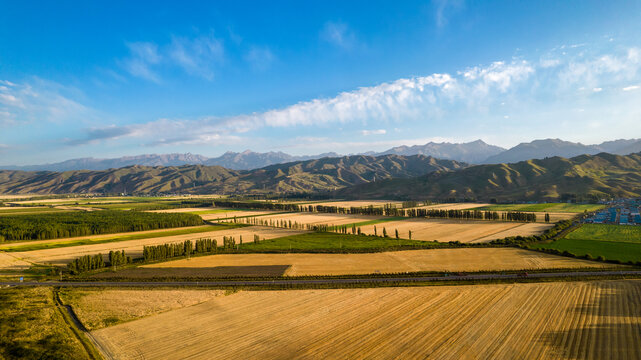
{"points": [[373, 132], [38, 101], [338, 34], [630, 88], [259, 58], [196, 56], [444, 9], [143, 57]]}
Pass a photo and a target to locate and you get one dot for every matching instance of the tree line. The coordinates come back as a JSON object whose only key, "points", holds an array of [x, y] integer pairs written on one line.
{"points": [[61, 225], [188, 248], [94, 262], [389, 209]]}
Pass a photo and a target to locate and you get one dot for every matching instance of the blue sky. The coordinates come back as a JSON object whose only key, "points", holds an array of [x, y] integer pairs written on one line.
{"points": [[107, 79]]}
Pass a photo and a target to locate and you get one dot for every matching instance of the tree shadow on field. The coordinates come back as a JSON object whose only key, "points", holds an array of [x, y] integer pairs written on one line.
{"points": [[197, 272], [608, 327]]}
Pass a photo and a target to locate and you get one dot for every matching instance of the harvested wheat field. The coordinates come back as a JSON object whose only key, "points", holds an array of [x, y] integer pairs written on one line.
{"points": [[321, 218], [465, 231], [237, 214], [564, 320], [453, 260], [100, 308], [356, 203], [452, 206], [12, 262], [133, 248]]}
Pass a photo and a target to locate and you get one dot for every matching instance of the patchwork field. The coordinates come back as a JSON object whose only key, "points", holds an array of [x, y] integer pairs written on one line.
{"points": [[133, 248], [464, 231], [454, 260], [595, 320]]}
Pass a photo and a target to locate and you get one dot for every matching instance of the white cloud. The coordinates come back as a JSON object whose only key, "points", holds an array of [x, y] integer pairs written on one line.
{"points": [[630, 88], [499, 74], [597, 89], [338, 34], [549, 63], [604, 69], [373, 132]]}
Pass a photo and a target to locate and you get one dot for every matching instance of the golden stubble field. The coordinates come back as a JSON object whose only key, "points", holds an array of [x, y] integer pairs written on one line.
{"points": [[98, 309], [465, 231], [320, 218], [453, 260], [563, 320], [133, 248]]}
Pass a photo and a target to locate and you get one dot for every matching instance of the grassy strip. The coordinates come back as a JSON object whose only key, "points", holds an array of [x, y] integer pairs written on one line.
{"points": [[369, 222], [92, 352], [32, 328], [551, 207], [609, 250], [61, 244], [214, 211]]}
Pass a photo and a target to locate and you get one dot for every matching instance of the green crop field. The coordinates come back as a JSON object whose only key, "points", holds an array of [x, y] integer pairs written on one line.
{"points": [[613, 242], [333, 242], [550, 207], [29, 211], [602, 232]]}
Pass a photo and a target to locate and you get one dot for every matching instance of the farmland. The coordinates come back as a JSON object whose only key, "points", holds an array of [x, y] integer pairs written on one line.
{"points": [[61, 256], [108, 238], [98, 309], [594, 320], [454, 260], [548, 207], [455, 230], [52, 226], [613, 242]]}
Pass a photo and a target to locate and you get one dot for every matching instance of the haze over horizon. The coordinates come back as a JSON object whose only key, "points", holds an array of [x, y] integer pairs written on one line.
{"points": [[312, 78]]}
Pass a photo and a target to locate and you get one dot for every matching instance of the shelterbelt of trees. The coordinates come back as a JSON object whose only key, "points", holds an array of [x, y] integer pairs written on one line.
{"points": [[61, 225], [386, 210]]}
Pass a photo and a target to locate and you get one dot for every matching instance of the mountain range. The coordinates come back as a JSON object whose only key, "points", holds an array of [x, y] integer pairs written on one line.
{"points": [[583, 178], [320, 175], [475, 152]]}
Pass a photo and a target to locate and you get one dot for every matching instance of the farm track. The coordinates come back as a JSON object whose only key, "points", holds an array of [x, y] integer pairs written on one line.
{"points": [[344, 281]]}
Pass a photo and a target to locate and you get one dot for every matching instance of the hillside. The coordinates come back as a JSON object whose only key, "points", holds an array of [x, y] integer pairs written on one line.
{"points": [[540, 149], [581, 177], [320, 175]]}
